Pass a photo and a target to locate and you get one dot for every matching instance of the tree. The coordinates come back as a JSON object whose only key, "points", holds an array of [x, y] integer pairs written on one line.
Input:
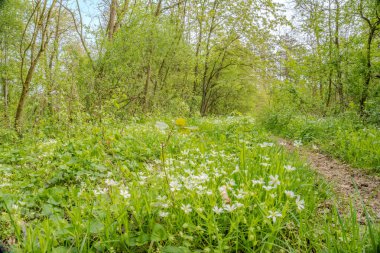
{"points": [[10, 30], [32, 47], [369, 13]]}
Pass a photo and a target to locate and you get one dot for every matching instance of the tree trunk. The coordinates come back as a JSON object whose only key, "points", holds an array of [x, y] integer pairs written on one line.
{"points": [[6, 99], [112, 19], [24, 94], [203, 109], [329, 91], [149, 60], [368, 74], [339, 84], [53, 56], [5, 87], [146, 87]]}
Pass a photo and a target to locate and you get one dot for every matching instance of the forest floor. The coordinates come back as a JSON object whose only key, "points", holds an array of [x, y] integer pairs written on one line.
{"points": [[352, 184]]}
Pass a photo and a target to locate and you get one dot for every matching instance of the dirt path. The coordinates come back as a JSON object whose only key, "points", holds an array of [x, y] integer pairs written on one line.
{"points": [[343, 178]]}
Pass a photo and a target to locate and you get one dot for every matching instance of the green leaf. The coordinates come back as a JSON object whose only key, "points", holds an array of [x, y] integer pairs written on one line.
{"points": [[61, 249], [96, 227], [174, 249], [159, 233], [137, 240]]}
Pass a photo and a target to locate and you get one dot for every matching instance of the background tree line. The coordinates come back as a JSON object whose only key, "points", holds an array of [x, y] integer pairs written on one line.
{"points": [[330, 59], [185, 57]]}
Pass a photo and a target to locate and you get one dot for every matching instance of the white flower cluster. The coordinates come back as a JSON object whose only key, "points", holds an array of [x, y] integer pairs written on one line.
{"points": [[198, 176]]}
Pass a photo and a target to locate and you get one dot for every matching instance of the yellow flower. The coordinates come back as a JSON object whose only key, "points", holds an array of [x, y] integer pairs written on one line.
{"points": [[181, 122]]}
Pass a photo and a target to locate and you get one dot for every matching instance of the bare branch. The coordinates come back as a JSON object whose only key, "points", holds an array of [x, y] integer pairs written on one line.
{"points": [[79, 30]]}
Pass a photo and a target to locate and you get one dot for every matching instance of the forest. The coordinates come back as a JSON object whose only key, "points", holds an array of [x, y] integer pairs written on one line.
{"points": [[181, 126]]}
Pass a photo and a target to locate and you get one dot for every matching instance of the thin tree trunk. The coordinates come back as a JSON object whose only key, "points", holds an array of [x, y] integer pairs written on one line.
{"points": [[24, 94], [373, 27], [367, 78], [329, 91], [112, 19], [6, 99], [146, 87], [5, 88], [54, 55], [339, 84], [203, 109], [196, 68], [149, 59]]}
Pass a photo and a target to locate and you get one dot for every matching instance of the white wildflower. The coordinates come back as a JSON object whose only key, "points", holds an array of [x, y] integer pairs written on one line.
{"points": [[100, 191], [161, 198], [231, 182], [111, 182], [229, 208], [238, 205], [165, 205], [300, 203], [273, 215], [186, 208], [241, 194], [289, 168], [274, 181], [125, 193], [175, 186], [266, 144], [163, 214], [268, 187], [265, 158], [217, 210], [161, 125], [260, 182], [290, 194], [297, 143]]}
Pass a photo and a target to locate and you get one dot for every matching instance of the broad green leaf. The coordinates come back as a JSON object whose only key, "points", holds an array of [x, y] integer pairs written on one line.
{"points": [[96, 227], [159, 233]]}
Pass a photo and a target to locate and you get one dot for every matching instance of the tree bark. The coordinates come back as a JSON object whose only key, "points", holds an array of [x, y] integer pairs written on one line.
{"points": [[6, 99], [112, 19], [5, 86]]}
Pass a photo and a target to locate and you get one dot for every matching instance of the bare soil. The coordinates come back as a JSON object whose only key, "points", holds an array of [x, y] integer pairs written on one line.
{"points": [[349, 183]]}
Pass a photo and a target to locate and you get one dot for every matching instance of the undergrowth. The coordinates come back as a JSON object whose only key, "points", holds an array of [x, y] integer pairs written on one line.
{"points": [[208, 185], [349, 140]]}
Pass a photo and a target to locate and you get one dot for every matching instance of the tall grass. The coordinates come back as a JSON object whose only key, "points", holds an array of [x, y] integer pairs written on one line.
{"points": [[344, 138]]}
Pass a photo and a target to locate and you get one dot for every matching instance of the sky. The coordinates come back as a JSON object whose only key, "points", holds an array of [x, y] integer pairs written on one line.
{"points": [[90, 8]]}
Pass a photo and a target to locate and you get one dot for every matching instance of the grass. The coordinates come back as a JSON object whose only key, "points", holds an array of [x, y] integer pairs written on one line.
{"points": [[343, 138], [209, 185]]}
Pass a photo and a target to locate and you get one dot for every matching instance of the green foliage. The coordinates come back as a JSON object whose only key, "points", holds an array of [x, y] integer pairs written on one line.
{"points": [[168, 187], [343, 137]]}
